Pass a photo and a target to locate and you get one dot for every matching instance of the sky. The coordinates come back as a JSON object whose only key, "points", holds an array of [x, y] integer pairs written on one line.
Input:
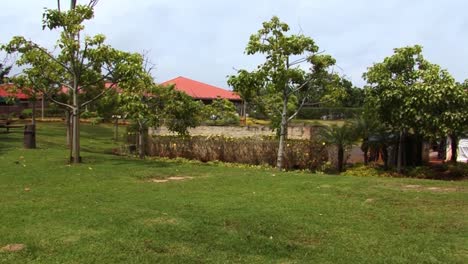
{"points": [[205, 39]]}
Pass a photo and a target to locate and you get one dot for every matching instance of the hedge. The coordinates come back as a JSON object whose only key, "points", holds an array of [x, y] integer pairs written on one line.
{"points": [[300, 154]]}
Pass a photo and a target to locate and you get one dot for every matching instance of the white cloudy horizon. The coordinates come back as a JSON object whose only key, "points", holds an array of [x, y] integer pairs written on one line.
{"points": [[205, 40]]}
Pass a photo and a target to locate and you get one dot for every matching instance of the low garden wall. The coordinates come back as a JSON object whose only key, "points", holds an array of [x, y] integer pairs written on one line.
{"points": [[294, 132], [300, 154]]}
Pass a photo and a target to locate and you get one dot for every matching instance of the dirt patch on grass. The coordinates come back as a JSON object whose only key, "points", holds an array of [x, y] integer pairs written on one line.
{"points": [[173, 178], [13, 248], [431, 188], [161, 221]]}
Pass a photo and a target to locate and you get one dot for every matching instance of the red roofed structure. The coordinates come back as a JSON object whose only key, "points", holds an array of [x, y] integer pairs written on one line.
{"points": [[6, 91], [202, 91], [10, 91]]}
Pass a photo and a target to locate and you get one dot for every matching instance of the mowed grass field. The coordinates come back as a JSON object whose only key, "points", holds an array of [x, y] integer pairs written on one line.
{"points": [[114, 209]]}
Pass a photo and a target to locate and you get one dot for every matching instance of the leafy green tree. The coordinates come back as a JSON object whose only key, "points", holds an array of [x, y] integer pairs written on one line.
{"points": [[77, 64], [367, 126], [341, 137], [411, 94], [280, 82], [354, 95], [151, 105], [221, 111], [392, 84], [4, 71], [246, 85]]}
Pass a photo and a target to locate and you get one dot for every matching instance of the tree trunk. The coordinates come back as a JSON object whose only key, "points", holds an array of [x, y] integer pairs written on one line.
{"points": [[68, 125], [116, 129], [76, 128], [366, 157], [245, 112], [33, 117], [141, 142], [283, 132], [454, 147], [400, 152], [365, 150], [42, 107], [340, 158], [385, 156]]}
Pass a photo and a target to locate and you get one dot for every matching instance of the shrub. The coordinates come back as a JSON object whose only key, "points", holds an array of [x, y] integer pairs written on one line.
{"points": [[220, 112], [299, 154], [26, 113], [88, 114]]}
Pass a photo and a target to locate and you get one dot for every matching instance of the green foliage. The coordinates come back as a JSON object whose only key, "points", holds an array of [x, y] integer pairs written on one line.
{"points": [[279, 84], [26, 113], [75, 73], [220, 112], [339, 136], [149, 105], [89, 114], [354, 97], [4, 71], [108, 105], [280, 80], [180, 111], [408, 92]]}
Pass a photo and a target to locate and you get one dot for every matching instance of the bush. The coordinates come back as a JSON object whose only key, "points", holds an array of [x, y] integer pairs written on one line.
{"points": [[299, 154], [54, 112], [26, 113], [88, 114], [329, 113], [220, 112]]}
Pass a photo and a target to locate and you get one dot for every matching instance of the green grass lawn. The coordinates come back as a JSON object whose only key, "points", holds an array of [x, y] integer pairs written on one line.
{"points": [[108, 211]]}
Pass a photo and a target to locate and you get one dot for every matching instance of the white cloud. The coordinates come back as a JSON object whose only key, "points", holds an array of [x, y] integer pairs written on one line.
{"points": [[205, 39]]}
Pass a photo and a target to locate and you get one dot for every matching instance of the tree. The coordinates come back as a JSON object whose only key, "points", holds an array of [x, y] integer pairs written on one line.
{"points": [[366, 126], [221, 112], [245, 84], [280, 80], [391, 83], [151, 105], [4, 71], [448, 107], [77, 65], [411, 94], [354, 95], [341, 137]]}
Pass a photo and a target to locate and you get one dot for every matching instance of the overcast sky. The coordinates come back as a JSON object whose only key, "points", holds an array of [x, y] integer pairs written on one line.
{"points": [[205, 39]]}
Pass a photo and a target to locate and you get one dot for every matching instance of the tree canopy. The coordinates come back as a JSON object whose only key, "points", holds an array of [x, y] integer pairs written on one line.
{"points": [[76, 65], [409, 93], [280, 84]]}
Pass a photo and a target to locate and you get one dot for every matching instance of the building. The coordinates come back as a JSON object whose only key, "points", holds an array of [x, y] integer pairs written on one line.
{"points": [[11, 101], [202, 91]]}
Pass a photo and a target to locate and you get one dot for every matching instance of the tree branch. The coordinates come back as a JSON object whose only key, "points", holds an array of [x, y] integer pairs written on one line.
{"points": [[44, 92], [98, 96], [50, 56], [298, 109], [300, 86]]}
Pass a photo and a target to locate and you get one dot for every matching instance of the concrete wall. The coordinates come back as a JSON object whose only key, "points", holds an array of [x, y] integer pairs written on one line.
{"points": [[294, 132]]}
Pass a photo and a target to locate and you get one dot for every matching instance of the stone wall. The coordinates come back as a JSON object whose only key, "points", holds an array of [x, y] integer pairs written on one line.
{"points": [[294, 132]]}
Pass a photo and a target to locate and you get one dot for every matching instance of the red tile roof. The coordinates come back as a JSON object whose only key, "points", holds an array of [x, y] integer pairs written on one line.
{"points": [[6, 91], [199, 90]]}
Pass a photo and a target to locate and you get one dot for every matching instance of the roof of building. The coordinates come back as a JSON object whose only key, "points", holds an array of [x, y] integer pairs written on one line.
{"points": [[6, 91], [199, 90]]}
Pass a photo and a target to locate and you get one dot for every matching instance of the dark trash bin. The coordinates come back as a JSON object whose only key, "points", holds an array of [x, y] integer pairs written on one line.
{"points": [[30, 136]]}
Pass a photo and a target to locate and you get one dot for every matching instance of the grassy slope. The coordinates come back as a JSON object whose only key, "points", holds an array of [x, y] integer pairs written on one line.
{"points": [[105, 212]]}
